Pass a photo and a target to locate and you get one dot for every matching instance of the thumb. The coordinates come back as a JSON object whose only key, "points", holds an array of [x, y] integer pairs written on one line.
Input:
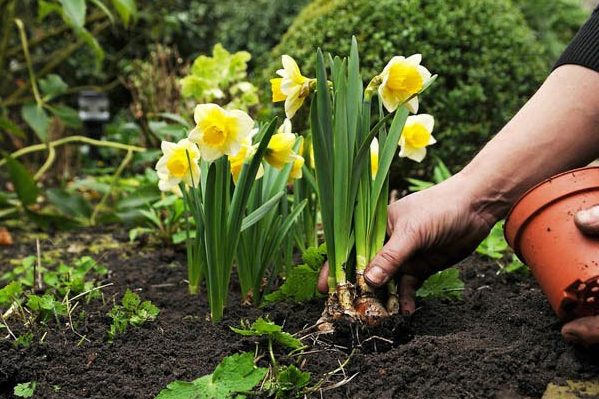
{"points": [[587, 220], [395, 253]]}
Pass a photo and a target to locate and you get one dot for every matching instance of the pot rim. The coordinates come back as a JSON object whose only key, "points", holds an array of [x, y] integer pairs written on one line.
{"points": [[542, 195]]}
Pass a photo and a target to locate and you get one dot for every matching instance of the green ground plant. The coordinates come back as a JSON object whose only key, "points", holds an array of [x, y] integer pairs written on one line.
{"points": [[36, 295], [25, 389], [132, 311]]}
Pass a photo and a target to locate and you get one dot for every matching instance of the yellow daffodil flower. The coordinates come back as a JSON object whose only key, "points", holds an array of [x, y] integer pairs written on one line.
{"points": [[280, 148], [296, 169], [218, 131], [179, 163], [292, 87], [374, 157], [246, 152], [417, 134], [401, 79]]}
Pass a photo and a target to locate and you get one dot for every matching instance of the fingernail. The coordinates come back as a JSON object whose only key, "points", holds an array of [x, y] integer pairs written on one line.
{"points": [[376, 275], [588, 215]]}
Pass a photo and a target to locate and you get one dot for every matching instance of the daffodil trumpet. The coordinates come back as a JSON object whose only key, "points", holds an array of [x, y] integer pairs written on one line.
{"points": [[352, 163]]}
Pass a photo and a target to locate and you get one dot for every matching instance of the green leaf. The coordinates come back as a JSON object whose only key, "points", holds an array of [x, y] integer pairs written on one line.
{"points": [[10, 292], [299, 286], [494, 246], [93, 43], [262, 327], [69, 203], [46, 8], [132, 311], [105, 10], [291, 379], [127, 10], [11, 127], [259, 213], [68, 115], [74, 11], [25, 186], [515, 266], [24, 389], [52, 85], [444, 284], [235, 374], [37, 119]]}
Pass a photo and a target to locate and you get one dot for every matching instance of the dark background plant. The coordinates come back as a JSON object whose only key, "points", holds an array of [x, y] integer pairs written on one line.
{"points": [[489, 59]]}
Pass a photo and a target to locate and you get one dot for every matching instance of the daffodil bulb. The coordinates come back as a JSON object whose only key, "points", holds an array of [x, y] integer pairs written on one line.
{"points": [[403, 78], [246, 152], [279, 151], [374, 157], [179, 163], [292, 87], [416, 135], [218, 131]]}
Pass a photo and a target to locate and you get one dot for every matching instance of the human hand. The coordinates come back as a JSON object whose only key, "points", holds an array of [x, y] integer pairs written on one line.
{"points": [[429, 231], [585, 330]]}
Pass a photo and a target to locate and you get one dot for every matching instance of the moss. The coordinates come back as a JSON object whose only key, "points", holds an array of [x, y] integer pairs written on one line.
{"points": [[488, 59]]}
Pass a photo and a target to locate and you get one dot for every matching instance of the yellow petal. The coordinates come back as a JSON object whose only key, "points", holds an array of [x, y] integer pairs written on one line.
{"points": [[280, 149], [277, 95]]}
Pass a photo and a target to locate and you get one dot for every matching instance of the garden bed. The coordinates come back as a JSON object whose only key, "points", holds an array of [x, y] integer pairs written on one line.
{"points": [[501, 340]]}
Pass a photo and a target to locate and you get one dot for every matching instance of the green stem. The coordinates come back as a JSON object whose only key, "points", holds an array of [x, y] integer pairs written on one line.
{"points": [[273, 360], [73, 139], [23, 35]]}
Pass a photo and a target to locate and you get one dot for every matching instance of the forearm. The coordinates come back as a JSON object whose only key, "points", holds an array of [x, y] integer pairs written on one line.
{"points": [[557, 130]]}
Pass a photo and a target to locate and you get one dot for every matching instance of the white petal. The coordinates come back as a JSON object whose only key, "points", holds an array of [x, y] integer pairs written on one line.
{"points": [[412, 105], [210, 153], [282, 73], [425, 120], [167, 147], [194, 135], [285, 127], [289, 87], [431, 140], [168, 184], [245, 123], [424, 73], [415, 154], [414, 59], [389, 100], [195, 173], [290, 66], [292, 104]]}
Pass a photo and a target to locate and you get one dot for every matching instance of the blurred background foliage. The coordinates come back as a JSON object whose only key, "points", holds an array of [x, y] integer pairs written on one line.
{"points": [[152, 59]]}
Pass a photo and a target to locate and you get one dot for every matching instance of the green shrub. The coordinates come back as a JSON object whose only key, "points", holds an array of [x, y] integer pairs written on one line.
{"points": [[487, 58], [554, 22]]}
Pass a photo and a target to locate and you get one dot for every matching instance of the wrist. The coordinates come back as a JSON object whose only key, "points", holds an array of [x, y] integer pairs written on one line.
{"points": [[488, 199]]}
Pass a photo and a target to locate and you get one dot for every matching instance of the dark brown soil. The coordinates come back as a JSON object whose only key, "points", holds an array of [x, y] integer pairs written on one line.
{"points": [[502, 340]]}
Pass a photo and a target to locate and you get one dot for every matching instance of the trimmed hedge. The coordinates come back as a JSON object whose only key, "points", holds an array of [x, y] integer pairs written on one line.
{"points": [[488, 59]]}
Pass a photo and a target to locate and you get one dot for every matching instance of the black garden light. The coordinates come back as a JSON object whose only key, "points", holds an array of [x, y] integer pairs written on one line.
{"points": [[94, 113]]}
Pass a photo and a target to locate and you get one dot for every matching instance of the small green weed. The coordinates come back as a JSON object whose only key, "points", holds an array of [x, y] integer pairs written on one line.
{"points": [[445, 284], [24, 389], [235, 375], [132, 311]]}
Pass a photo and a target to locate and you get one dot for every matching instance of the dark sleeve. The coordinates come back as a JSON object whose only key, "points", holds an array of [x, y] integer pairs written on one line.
{"points": [[584, 48]]}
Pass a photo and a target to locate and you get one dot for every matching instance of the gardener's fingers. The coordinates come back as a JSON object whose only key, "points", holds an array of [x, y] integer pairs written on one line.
{"points": [[583, 331], [400, 247], [408, 285], [323, 284], [587, 220]]}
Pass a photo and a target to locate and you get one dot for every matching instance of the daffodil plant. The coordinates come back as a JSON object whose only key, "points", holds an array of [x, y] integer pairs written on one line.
{"points": [[354, 146], [259, 254], [215, 169]]}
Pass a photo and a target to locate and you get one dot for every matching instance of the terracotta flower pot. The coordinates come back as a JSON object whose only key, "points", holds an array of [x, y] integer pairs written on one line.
{"points": [[540, 228]]}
